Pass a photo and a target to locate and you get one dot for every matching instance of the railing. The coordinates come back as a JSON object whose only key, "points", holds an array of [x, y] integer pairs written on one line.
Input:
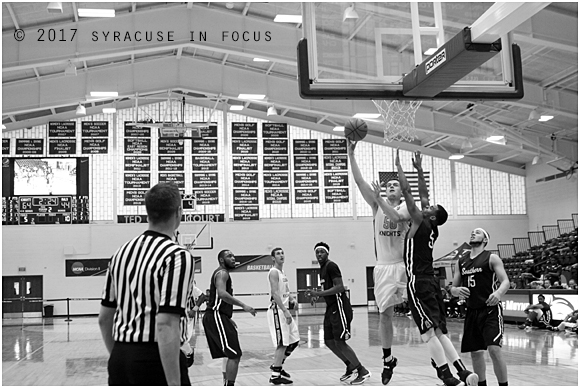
{"points": [[536, 238], [67, 300]]}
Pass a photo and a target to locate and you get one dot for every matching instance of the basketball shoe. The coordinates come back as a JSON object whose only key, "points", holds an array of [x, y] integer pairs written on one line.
{"points": [[362, 376], [387, 373], [282, 372], [280, 380], [348, 374], [468, 377], [452, 381]]}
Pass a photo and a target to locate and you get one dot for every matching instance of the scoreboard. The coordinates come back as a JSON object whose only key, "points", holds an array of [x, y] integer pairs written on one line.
{"points": [[43, 210]]}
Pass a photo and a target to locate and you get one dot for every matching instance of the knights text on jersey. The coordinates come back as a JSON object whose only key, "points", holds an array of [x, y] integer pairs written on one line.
{"points": [[390, 236], [419, 249], [477, 275]]}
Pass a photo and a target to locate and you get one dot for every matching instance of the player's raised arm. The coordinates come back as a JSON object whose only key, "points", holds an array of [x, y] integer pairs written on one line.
{"points": [[365, 188], [414, 212], [423, 191]]}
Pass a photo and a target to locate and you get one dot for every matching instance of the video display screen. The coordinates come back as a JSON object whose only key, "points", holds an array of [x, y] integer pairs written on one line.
{"points": [[45, 176]]}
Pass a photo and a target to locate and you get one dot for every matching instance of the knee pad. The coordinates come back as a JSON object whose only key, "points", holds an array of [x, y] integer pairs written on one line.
{"points": [[290, 348]]}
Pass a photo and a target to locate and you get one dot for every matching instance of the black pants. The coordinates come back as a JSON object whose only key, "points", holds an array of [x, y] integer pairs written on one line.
{"points": [[140, 364]]}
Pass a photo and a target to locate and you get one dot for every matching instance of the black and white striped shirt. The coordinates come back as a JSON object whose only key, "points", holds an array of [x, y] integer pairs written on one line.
{"points": [[148, 275]]}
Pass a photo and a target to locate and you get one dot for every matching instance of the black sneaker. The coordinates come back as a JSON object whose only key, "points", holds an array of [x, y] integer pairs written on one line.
{"points": [[282, 372], [280, 380], [348, 374], [452, 381], [468, 377], [387, 373], [362, 376]]}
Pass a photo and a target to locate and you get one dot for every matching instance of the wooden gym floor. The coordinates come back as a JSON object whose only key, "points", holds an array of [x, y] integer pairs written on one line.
{"points": [[55, 352]]}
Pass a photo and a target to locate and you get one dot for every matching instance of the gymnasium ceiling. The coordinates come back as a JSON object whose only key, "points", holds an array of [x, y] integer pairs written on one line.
{"points": [[212, 73]]}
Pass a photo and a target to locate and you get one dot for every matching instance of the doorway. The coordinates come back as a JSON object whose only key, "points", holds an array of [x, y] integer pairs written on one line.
{"points": [[21, 296], [308, 279]]}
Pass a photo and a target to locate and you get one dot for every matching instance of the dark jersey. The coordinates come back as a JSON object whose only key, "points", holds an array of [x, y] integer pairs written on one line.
{"points": [[477, 275], [328, 272], [419, 249], [215, 302]]}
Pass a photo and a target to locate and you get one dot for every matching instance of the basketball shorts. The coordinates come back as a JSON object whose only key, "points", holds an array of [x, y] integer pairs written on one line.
{"points": [[222, 335], [482, 327], [139, 363], [281, 332], [337, 319], [426, 303], [390, 284]]}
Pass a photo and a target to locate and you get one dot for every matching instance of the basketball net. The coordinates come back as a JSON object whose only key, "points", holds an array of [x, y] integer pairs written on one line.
{"points": [[399, 118], [189, 241]]}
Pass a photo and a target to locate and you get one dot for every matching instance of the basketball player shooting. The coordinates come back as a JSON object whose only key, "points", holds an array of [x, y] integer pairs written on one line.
{"points": [[390, 224], [425, 299]]}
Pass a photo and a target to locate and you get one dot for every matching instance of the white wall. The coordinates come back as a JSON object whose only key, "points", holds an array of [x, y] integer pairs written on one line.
{"points": [[41, 249], [549, 201]]}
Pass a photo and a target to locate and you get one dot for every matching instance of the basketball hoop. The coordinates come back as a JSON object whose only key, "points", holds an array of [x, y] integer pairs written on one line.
{"points": [[399, 118]]}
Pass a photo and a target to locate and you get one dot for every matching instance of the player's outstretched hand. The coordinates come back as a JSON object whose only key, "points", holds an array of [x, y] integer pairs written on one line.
{"points": [[417, 160], [350, 146], [376, 189]]}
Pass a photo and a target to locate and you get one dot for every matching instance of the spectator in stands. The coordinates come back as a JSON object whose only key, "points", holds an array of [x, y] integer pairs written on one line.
{"points": [[529, 274], [572, 284], [553, 269], [546, 285], [513, 285], [557, 286], [539, 315]]}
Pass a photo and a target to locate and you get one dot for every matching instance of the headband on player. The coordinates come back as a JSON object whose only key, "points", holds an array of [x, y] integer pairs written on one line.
{"points": [[484, 233], [320, 246]]}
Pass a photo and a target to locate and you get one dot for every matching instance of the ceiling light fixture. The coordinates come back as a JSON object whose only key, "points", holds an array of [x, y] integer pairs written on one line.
{"points": [[236, 107], [109, 110], [367, 115], [261, 60], [245, 96], [534, 114], [496, 139], [3, 127], [430, 51], [81, 110], [537, 159], [546, 118], [54, 7], [104, 94], [456, 156], [272, 111], [96, 13], [350, 13], [70, 69], [288, 19], [338, 129]]}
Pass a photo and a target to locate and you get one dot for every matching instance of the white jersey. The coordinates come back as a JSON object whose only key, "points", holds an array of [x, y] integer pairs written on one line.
{"points": [[390, 236], [283, 286]]}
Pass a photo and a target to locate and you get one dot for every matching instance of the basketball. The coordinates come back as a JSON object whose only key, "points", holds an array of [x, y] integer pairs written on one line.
{"points": [[355, 129]]}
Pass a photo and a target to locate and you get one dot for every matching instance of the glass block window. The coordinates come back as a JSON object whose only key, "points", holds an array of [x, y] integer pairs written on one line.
{"points": [[500, 193], [441, 190], [518, 194], [481, 190], [464, 189]]}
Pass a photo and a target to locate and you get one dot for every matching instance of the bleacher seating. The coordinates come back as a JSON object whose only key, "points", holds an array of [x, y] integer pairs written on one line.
{"points": [[559, 241]]}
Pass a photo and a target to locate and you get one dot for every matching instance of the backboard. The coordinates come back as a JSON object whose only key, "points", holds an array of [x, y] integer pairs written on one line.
{"points": [[383, 53]]}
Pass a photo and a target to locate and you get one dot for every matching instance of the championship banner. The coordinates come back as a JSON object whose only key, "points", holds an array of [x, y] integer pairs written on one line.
{"points": [[253, 263]]}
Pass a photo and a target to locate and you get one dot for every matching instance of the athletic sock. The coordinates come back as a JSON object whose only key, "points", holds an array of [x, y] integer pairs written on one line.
{"points": [[276, 370], [504, 384], [386, 353], [484, 382], [229, 382], [459, 365]]}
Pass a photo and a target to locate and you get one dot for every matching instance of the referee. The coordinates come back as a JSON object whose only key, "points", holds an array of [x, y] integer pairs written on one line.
{"points": [[142, 317]]}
